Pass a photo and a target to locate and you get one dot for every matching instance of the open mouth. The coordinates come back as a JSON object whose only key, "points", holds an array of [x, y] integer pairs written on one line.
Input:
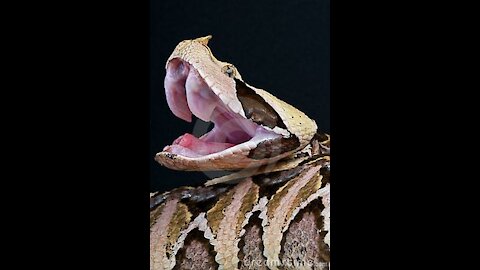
{"points": [[187, 93]]}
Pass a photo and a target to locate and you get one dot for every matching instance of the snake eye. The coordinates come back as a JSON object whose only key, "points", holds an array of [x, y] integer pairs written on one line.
{"points": [[229, 70]]}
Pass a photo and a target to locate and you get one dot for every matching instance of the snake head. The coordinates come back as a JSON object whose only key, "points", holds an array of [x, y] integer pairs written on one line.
{"points": [[251, 126]]}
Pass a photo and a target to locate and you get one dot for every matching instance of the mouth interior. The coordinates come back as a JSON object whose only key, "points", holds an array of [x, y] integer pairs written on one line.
{"points": [[187, 93]]}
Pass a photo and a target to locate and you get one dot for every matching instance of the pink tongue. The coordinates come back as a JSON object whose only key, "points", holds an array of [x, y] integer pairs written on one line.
{"points": [[203, 148]]}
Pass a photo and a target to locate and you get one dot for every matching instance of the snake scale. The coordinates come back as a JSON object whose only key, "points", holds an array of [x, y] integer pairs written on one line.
{"points": [[273, 210]]}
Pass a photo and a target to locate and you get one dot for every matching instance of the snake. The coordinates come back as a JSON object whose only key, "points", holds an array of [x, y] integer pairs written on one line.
{"points": [[278, 163]]}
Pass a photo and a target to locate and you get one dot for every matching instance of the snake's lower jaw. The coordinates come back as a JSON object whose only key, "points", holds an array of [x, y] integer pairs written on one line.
{"points": [[229, 162]]}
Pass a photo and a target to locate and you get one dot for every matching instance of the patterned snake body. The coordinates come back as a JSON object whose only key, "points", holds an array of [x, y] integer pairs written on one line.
{"points": [[273, 210]]}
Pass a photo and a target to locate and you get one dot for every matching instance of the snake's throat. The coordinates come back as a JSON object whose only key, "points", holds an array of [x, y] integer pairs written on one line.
{"points": [[187, 93]]}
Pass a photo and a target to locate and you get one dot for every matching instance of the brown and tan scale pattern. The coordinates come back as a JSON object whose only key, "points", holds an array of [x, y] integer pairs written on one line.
{"points": [[196, 254], [251, 246], [302, 245], [278, 213], [243, 231], [226, 219], [165, 226]]}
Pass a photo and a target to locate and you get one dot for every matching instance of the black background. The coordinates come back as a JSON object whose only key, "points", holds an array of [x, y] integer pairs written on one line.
{"points": [[284, 49]]}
